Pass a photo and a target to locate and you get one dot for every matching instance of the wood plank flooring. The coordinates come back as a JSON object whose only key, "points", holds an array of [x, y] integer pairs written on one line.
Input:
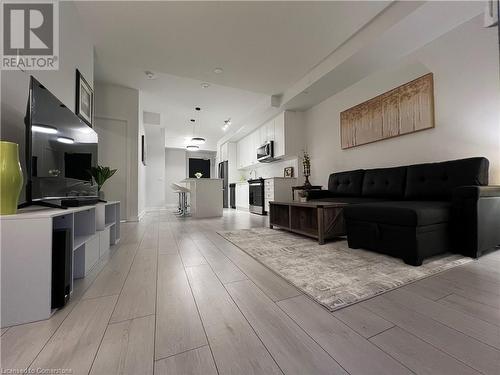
{"points": [[176, 298]]}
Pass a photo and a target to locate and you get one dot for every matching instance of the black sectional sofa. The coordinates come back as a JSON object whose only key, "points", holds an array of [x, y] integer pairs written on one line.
{"points": [[417, 211]]}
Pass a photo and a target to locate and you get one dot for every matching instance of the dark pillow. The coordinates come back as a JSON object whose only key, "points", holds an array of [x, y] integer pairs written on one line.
{"points": [[436, 181], [384, 183], [346, 184]]}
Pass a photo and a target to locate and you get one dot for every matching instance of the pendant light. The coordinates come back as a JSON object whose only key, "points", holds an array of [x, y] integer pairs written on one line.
{"points": [[195, 141]]}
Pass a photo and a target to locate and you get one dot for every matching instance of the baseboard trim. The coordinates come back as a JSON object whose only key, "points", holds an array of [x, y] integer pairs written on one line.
{"points": [[141, 215]]}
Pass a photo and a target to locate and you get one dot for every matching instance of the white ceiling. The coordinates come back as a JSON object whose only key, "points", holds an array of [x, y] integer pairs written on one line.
{"points": [[263, 47], [175, 98]]}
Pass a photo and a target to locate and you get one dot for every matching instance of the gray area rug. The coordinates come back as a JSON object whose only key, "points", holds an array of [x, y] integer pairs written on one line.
{"points": [[332, 274]]}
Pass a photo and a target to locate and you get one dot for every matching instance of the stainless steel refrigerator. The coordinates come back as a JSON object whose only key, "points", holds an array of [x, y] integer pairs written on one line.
{"points": [[222, 173]]}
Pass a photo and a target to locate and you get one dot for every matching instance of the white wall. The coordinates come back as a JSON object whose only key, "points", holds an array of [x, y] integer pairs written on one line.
{"points": [[155, 167], [122, 103], [175, 171], [76, 51], [467, 111], [141, 168]]}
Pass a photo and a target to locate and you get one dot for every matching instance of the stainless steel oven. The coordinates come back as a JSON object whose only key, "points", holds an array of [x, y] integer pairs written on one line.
{"points": [[256, 196], [265, 153]]}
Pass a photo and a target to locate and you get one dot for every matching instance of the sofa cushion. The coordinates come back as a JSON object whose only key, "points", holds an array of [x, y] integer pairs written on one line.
{"points": [[350, 200], [384, 183], [435, 181], [403, 213], [346, 184]]}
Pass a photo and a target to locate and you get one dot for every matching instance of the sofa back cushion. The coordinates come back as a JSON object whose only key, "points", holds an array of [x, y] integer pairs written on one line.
{"points": [[435, 181], [384, 183], [346, 184]]}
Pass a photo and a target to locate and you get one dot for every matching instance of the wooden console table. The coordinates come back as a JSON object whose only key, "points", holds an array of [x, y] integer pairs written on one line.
{"points": [[321, 220]]}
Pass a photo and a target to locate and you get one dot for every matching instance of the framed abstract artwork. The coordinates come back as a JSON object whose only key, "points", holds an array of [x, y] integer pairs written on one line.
{"points": [[406, 109], [84, 99]]}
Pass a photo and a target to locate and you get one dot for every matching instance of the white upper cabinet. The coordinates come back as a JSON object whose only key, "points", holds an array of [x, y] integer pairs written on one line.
{"points": [[262, 135], [239, 153], [279, 135], [255, 145], [286, 130], [224, 154]]}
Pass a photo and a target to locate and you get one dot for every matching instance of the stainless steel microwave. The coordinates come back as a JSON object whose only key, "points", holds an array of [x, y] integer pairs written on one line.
{"points": [[265, 153]]}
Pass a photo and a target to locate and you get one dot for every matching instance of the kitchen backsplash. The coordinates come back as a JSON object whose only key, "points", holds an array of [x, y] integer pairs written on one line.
{"points": [[274, 169]]}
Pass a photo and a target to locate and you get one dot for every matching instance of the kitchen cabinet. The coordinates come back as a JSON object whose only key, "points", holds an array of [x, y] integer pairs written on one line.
{"points": [[278, 189], [270, 130], [279, 136], [262, 135], [286, 130], [255, 143], [244, 152], [223, 152], [242, 196]]}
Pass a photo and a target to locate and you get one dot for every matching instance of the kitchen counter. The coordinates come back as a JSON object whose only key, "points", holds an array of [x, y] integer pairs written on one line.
{"points": [[205, 197]]}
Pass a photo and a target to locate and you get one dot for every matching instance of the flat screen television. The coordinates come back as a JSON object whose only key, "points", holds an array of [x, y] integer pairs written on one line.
{"points": [[60, 150]]}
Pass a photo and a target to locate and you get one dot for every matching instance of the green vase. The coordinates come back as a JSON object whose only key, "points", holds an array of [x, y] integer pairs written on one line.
{"points": [[11, 177]]}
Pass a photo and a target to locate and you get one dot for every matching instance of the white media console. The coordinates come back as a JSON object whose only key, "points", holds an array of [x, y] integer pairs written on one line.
{"points": [[26, 254]]}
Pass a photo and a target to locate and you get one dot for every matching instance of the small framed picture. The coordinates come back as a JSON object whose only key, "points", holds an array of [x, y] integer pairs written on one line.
{"points": [[84, 99], [288, 172], [143, 150]]}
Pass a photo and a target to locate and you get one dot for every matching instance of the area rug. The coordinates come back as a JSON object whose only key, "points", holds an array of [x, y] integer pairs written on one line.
{"points": [[333, 274]]}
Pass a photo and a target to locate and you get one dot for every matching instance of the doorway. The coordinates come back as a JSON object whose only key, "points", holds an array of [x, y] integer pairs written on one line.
{"points": [[199, 165]]}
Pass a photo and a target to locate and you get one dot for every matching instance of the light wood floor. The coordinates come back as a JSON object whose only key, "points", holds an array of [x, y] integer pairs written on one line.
{"points": [[176, 298]]}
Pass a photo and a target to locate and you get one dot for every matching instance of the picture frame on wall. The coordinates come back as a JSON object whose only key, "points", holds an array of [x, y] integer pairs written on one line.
{"points": [[84, 107], [143, 150], [288, 172]]}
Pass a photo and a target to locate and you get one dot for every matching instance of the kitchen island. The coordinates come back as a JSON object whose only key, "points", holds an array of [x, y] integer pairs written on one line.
{"points": [[205, 197]]}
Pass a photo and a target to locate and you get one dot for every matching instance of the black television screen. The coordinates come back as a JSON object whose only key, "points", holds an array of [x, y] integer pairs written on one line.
{"points": [[60, 149]]}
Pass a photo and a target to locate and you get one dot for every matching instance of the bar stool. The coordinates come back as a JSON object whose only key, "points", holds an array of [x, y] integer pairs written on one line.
{"points": [[183, 192], [178, 192]]}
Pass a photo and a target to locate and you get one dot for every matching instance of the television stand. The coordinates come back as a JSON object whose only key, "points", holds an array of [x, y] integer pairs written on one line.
{"points": [[42, 204]]}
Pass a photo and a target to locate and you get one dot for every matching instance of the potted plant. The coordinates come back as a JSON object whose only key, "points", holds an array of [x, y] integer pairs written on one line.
{"points": [[302, 195], [101, 174]]}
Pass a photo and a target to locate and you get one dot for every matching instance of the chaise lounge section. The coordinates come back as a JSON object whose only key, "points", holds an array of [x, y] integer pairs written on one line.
{"points": [[417, 211]]}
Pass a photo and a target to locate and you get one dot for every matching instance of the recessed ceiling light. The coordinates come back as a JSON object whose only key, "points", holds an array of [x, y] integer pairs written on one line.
{"points": [[218, 70], [197, 140], [150, 74], [66, 140], [47, 129], [205, 85], [192, 147]]}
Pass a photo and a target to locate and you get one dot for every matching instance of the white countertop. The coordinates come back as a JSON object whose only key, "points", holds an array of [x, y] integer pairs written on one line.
{"points": [[38, 212], [201, 179]]}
